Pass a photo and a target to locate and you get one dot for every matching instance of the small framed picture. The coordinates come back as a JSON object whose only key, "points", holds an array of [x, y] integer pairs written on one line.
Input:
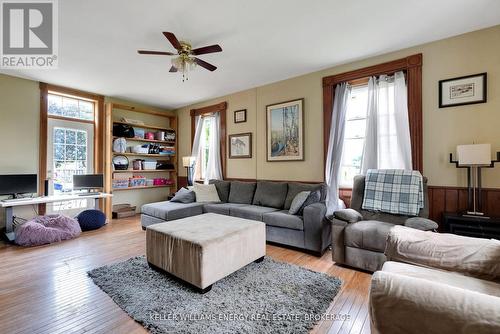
{"points": [[461, 91], [240, 116], [240, 145]]}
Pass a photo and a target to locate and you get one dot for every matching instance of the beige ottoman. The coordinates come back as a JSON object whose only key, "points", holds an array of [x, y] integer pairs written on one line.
{"points": [[203, 249]]}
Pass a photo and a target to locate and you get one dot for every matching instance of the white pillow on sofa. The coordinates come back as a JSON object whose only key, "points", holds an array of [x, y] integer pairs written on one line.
{"points": [[206, 193]]}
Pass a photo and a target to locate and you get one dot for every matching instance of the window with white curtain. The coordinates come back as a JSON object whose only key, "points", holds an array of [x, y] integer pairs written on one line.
{"points": [[201, 167], [354, 135], [377, 134]]}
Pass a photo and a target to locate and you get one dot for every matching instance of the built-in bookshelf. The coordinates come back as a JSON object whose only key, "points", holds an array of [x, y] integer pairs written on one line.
{"points": [[149, 121]]}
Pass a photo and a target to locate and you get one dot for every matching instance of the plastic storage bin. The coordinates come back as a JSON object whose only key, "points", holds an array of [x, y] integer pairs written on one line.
{"points": [[149, 165]]}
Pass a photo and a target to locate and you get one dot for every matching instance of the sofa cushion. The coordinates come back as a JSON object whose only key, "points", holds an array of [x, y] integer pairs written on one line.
{"points": [[222, 189], [169, 210], [241, 192], [222, 208], [367, 234], [271, 194], [283, 219], [294, 188], [254, 212]]}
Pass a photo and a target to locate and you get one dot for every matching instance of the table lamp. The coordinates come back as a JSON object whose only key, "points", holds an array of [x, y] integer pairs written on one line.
{"points": [[474, 157], [187, 162]]}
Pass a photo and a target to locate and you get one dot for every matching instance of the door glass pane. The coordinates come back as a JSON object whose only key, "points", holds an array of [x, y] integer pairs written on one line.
{"points": [[70, 157]]}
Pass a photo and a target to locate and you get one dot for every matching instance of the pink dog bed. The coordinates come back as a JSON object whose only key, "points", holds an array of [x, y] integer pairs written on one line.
{"points": [[47, 229]]}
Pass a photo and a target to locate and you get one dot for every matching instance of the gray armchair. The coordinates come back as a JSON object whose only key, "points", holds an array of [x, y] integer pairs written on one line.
{"points": [[359, 236]]}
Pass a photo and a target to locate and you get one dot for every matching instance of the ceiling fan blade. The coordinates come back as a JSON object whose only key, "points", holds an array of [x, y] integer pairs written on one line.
{"points": [[145, 52], [207, 49], [172, 39], [204, 64], [173, 69]]}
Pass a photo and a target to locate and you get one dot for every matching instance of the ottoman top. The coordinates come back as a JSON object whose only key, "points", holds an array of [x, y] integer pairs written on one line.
{"points": [[206, 228]]}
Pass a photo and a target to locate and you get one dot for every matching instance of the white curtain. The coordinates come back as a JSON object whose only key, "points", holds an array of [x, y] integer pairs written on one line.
{"points": [[214, 166], [195, 151], [335, 145], [387, 144]]}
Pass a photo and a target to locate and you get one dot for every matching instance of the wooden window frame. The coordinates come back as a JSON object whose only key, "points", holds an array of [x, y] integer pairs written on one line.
{"points": [[412, 66], [220, 108], [98, 122]]}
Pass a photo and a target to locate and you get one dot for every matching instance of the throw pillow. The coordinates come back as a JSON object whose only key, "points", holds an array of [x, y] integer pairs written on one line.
{"points": [[222, 189], [206, 193], [294, 188], [184, 196], [314, 197], [297, 202]]}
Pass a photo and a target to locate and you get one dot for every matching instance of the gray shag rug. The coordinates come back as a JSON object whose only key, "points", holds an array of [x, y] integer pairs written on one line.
{"points": [[266, 297]]}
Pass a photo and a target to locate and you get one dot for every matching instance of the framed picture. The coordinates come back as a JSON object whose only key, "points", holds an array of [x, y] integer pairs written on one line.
{"points": [[285, 131], [240, 145], [460, 91], [240, 116]]}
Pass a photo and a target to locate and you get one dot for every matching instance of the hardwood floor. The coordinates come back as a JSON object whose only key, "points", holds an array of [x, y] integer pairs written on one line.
{"points": [[46, 289]]}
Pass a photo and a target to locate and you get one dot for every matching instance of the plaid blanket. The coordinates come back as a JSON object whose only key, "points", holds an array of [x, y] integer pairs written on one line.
{"points": [[394, 191]]}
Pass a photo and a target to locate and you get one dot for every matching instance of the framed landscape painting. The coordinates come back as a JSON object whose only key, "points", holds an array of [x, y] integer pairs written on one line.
{"points": [[240, 145], [285, 131], [461, 91]]}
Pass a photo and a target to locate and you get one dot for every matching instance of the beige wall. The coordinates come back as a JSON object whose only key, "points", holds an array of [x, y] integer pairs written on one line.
{"points": [[443, 128]]}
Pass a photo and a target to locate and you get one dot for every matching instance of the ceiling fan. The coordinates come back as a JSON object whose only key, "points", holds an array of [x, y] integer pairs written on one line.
{"points": [[186, 53]]}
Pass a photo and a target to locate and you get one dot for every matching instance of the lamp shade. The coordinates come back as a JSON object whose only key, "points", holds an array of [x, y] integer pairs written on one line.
{"points": [[187, 161], [474, 155]]}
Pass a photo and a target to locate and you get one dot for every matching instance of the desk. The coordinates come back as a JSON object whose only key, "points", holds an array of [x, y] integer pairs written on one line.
{"points": [[9, 206]]}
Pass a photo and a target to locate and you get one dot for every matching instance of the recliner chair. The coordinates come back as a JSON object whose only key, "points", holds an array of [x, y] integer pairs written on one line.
{"points": [[359, 236]]}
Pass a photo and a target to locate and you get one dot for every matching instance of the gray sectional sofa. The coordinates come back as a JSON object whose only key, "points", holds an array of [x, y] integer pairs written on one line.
{"points": [[264, 201]]}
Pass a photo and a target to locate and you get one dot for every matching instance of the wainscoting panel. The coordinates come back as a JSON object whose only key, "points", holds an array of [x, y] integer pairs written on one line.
{"points": [[449, 199]]}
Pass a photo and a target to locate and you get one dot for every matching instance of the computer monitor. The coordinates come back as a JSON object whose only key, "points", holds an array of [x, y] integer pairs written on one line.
{"points": [[88, 181], [14, 184]]}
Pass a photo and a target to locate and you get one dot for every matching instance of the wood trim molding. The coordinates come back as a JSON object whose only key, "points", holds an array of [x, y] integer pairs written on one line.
{"points": [[412, 65], [73, 92], [42, 141], [98, 122], [220, 108]]}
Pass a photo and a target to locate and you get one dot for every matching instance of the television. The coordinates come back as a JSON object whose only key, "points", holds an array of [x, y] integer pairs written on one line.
{"points": [[14, 184], [88, 181]]}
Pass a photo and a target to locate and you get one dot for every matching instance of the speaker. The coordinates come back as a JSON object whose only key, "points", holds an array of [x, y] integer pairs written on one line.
{"points": [[46, 188]]}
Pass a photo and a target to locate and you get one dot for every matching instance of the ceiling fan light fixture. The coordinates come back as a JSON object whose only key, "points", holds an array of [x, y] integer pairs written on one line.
{"points": [[186, 59]]}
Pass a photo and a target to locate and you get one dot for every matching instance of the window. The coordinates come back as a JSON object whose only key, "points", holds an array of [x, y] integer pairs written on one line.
{"points": [[354, 136], [70, 145], [64, 106]]}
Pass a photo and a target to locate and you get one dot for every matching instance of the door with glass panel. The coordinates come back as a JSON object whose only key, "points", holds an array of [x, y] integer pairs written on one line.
{"points": [[70, 146]]}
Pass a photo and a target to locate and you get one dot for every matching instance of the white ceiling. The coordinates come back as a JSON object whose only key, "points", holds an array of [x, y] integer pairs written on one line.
{"points": [[263, 40]]}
